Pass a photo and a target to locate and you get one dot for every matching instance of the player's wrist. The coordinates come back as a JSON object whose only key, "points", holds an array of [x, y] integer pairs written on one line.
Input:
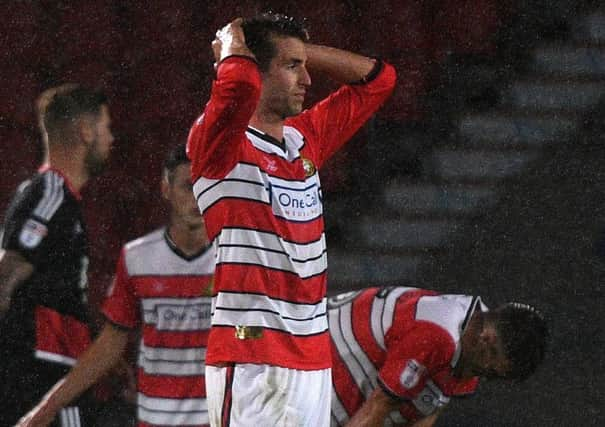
{"points": [[236, 50]]}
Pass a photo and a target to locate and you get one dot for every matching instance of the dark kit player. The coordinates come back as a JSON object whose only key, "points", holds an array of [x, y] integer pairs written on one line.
{"points": [[44, 260]]}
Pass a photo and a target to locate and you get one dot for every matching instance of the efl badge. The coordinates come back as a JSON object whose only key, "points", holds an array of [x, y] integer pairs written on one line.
{"points": [[309, 167], [411, 374], [32, 233]]}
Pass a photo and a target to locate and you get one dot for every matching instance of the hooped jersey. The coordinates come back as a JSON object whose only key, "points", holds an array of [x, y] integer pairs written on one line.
{"points": [[48, 318], [405, 340], [262, 205], [166, 295]]}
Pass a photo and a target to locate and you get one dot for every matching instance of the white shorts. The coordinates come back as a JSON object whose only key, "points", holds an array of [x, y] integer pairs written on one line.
{"points": [[244, 395]]}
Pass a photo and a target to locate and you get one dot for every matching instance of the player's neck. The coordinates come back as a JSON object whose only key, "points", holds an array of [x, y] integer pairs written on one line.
{"points": [[270, 124], [189, 240], [70, 164]]}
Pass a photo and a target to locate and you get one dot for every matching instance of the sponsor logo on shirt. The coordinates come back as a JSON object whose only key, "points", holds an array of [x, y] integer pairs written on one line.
{"points": [[295, 204], [192, 317], [32, 233], [411, 374]]}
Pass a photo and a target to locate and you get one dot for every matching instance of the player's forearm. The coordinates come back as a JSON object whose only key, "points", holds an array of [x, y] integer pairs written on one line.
{"points": [[341, 65], [374, 410], [426, 421], [102, 355], [14, 270]]}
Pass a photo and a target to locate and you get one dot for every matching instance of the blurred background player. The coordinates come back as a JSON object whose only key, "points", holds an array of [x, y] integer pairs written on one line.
{"points": [[255, 160], [44, 259], [162, 286], [401, 353]]}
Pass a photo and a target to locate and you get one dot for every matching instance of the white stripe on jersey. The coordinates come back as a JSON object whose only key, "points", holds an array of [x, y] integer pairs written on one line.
{"points": [[431, 309], [70, 417], [177, 314], [177, 365], [55, 358], [150, 255], [52, 198], [291, 200], [339, 413], [169, 354], [359, 365], [172, 412], [244, 246], [233, 309], [301, 252], [383, 310]]}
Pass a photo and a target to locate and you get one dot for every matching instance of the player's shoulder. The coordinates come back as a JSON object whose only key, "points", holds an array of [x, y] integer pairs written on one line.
{"points": [[449, 312], [146, 242], [40, 197]]}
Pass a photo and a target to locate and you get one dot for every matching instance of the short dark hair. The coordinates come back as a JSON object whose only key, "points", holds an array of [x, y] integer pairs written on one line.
{"points": [[260, 29], [62, 105], [176, 156], [524, 334]]}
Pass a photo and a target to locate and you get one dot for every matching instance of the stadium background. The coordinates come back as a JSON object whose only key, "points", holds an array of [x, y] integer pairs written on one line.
{"points": [[534, 232]]}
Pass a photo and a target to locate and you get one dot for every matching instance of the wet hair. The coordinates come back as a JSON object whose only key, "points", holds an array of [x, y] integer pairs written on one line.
{"points": [[524, 335], [176, 157], [61, 106], [260, 30]]}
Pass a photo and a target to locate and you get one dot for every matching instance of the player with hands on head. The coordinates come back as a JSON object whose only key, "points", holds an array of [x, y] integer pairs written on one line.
{"points": [[401, 353], [255, 158], [162, 287]]}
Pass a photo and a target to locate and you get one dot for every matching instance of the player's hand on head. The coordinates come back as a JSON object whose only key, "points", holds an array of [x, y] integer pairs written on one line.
{"points": [[230, 40]]}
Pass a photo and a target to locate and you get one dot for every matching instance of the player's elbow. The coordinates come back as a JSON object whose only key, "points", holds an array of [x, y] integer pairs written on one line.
{"points": [[390, 77]]}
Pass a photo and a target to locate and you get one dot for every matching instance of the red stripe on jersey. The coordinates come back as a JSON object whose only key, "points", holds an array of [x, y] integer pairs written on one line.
{"points": [[171, 387], [174, 339], [349, 394], [273, 283], [255, 215], [172, 286], [274, 348], [60, 334]]}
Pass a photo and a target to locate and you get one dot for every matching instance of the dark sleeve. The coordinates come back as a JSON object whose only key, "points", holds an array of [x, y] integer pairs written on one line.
{"points": [[31, 219]]}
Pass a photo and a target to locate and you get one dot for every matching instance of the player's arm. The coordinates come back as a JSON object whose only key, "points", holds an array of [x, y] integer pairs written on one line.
{"points": [[428, 421], [100, 357], [340, 65], [14, 270], [374, 410], [367, 85], [233, 99]]}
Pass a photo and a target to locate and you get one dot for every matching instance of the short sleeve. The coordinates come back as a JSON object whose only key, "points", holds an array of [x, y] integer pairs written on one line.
{"points": [[31, 220], [121, 305], [412, 358]]}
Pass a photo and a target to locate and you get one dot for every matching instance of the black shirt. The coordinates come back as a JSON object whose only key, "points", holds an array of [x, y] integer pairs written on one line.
{"points": [[47, 318]]}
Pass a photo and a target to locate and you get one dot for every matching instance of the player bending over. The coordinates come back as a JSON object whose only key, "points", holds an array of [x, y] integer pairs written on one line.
{"points": [[399, 354]]}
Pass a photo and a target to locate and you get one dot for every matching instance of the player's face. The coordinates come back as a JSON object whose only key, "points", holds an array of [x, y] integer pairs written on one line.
{"points": [[490, 359], [100, 145], [179, 193], [286, 81]]}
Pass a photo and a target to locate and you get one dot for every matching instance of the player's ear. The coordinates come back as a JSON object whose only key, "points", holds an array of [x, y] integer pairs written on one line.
{"points": [[165, 187], [85, 127]]}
